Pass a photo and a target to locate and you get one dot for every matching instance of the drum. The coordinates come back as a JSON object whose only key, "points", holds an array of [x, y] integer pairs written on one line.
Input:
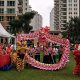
{"points": [[4, 60]]}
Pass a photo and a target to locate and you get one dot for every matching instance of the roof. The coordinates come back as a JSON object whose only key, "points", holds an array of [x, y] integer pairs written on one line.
{"points": [[4, 33]]}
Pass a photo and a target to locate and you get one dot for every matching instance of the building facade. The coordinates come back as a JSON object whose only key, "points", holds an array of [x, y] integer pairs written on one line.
{"points": [[11, 9], [64, 10], [52, 20], [8, 11], [73, 9], [36, 22], [60, 14]]}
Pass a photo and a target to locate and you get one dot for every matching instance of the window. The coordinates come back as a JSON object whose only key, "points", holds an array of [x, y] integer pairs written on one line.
{"points": [[75, 4], [1, 10], [70, 12], [75, 0], [75, 8], [26, 9], [64, 17], [10, 10], [10, 3], [70, 4], [10, 18], [70, 0], [26, 4], [1, 3], [70, 8], [70, 17], [75, 12], [1, 18], [64, 21]]}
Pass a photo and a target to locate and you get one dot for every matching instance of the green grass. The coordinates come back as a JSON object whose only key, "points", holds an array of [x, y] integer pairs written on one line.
{"points": [[31, 73]]}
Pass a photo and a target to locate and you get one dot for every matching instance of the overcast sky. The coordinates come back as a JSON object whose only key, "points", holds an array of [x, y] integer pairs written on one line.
{"points": [[44, 7]]}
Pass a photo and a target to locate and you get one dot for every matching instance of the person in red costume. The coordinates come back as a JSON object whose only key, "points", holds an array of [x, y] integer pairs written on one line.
{"points": [[76, 53], [0, 49], [76, 46], [9, 49]]}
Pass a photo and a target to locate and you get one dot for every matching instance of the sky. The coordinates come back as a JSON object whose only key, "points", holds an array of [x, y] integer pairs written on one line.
{"points": [[44, 8]]}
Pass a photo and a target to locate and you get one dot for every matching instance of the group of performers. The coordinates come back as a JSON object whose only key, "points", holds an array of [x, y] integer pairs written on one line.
{"points": [[5, 56], [18, 57], [49, 53], [5, 49]]}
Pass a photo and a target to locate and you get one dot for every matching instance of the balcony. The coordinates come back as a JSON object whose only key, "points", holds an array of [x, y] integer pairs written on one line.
{"points": [[19, 13], [19, 5]]}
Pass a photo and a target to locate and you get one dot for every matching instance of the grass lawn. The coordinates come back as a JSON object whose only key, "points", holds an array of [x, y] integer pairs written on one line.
{"points": [[31, 73]]}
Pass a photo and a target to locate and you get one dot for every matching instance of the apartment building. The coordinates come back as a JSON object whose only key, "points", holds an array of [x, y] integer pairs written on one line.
{"points": [[64, 10], [11, 9], [73, 9], [60, 14], [8, 11], [52, 20]]}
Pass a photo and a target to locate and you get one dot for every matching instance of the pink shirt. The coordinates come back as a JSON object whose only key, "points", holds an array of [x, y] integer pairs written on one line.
{"points": [[53, 51], [31, 50], [37, 50], [50, 50]]}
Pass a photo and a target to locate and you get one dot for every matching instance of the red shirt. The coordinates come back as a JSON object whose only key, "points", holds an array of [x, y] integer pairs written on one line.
{"points": [[76, 46], [0, 49], [9, 50]]}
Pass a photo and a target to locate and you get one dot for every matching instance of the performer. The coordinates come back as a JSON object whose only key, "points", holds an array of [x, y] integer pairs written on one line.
{"points": [[76, 46], [4, 51], [0, 49], [9, 49], [76, 53], [24, 43], [18, 44], [60, 52], [46, 55], [54, 54], [31, 51], [50, 53], [20, 58], [37, 53]]}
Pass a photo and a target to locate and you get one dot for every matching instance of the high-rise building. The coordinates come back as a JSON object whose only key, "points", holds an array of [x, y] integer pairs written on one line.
{"points": [[64, 10], [36, 22], [73, 9], [52, 20], [8, 11], [11, 9], [60, 14]]}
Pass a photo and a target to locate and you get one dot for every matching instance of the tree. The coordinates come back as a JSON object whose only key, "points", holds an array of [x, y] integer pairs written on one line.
{"points": [[73, 29], [26, 20], [23, 23], [15, 26]]}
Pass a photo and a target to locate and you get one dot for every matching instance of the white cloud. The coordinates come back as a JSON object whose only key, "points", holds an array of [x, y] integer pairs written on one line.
{"points": [[43, 7]]}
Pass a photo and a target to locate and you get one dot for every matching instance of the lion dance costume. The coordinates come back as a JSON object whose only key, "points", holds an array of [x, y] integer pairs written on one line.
{"points": [[20, 57]]}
